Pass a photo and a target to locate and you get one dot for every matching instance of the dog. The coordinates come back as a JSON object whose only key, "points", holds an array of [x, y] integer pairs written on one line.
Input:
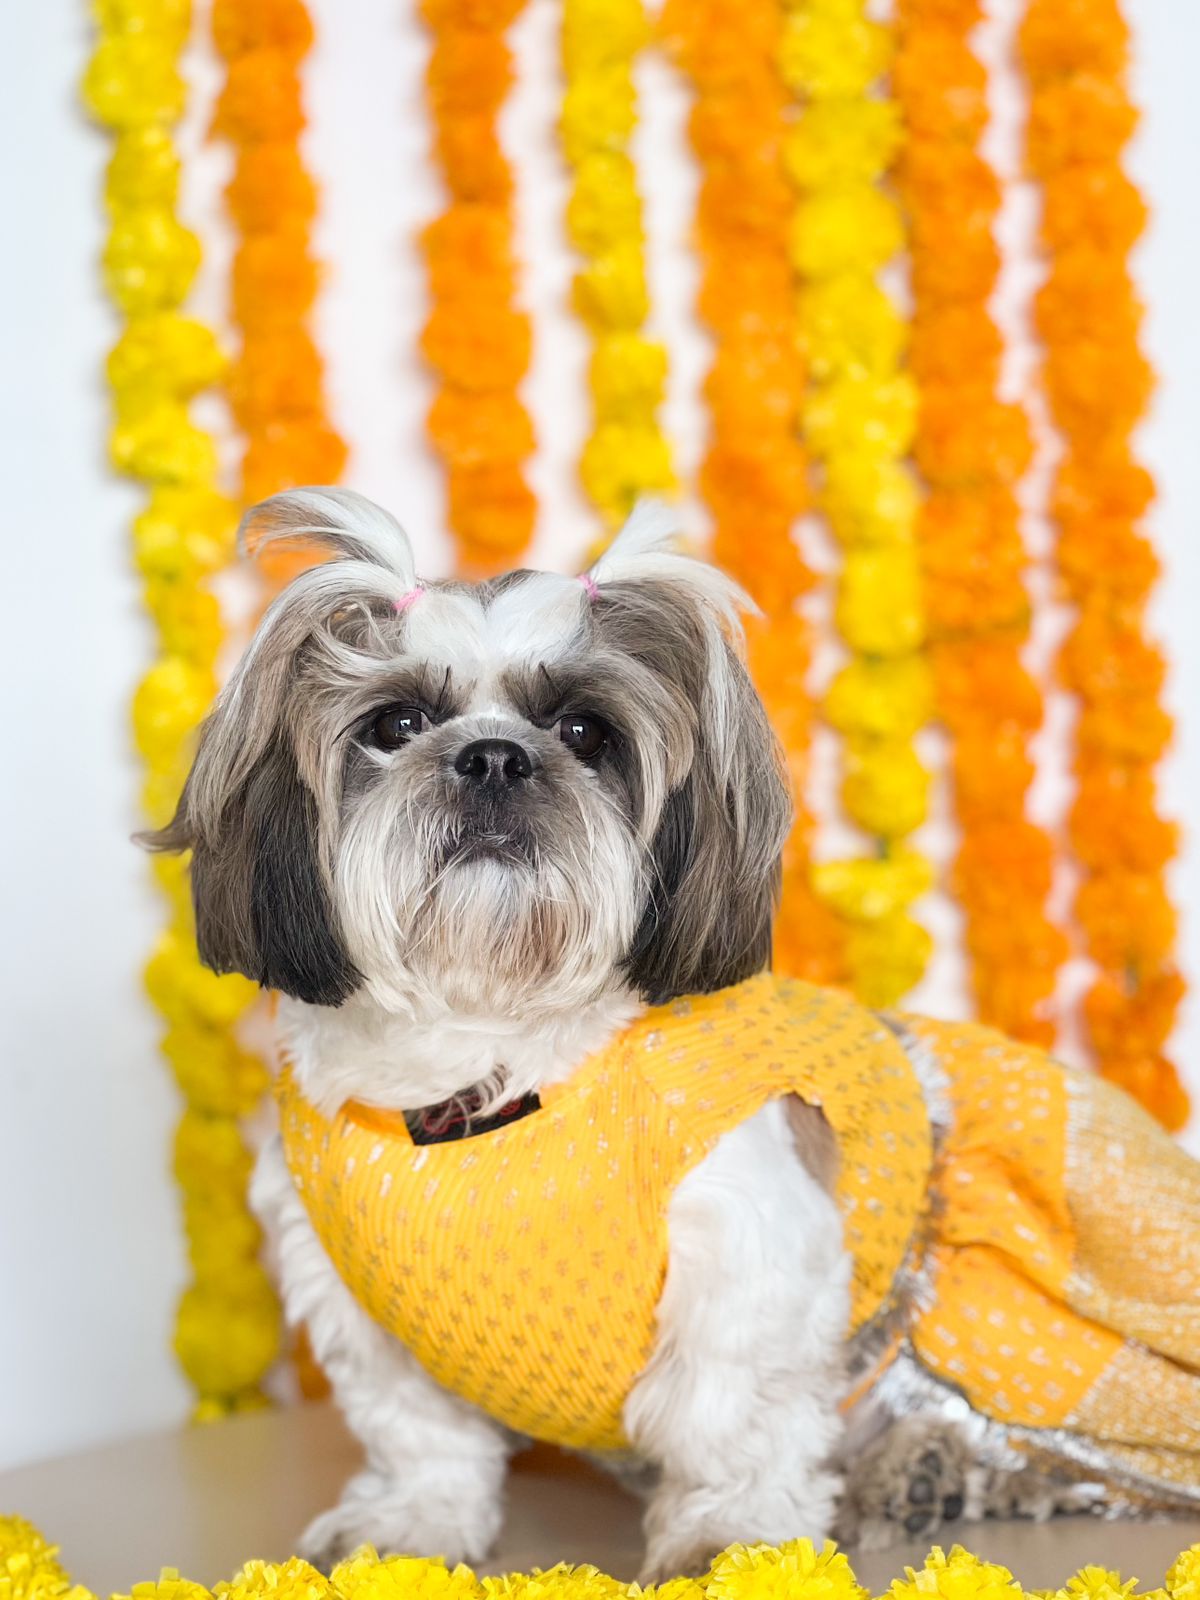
{"points": [[503, 849]]}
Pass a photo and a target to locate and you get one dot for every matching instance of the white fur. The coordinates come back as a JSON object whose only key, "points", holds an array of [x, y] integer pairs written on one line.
{"points": [[434, 1476], [362, 1052], [738, 1406]]}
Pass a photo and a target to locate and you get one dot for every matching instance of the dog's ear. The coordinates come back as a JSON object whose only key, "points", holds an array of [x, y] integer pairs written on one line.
{"points": [[715, 855], [247, 814], [261, 902]]}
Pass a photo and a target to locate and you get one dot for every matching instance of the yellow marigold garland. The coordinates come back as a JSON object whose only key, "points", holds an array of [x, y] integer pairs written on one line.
{"points": [[859, 420], [276, 380], [626, 455], [475, 339], [29, 1570], [227, 1327], [753, 478], [1098, 383], [972, 450]]}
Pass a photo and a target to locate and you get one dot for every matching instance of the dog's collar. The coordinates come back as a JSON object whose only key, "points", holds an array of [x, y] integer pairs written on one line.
{"points": [[458, 1118]]}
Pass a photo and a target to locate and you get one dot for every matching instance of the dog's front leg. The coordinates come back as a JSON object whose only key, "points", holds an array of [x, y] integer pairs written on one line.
{"points": [[738, 1406], [435, 1468]]}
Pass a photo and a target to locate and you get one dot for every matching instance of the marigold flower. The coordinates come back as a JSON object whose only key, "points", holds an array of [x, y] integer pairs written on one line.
{"points": [[287, 452], [472, 429], [492, 509], [941, 84], [240, 26], [741, 124], [828, 56], [599, 31], [1132, 1020], [366, 1576], [611, 291], [132, 81], [851, 229], [271, 189], [1114, 820], [867, 414], [841, 142], [954, 338], [878, 605], [885, 789], [493, 15], [467, 241], [1128, 919], [604, 209], [1154, 1083], [477, 353], [469, 71], [274, 279], [149, 261], [984, 677], [1095, 205], [472, 162], [1060, 37], [869, 497], [143, 170], [880, 698], [628, 374], [848, 326], [261, 98], [277, 374]]}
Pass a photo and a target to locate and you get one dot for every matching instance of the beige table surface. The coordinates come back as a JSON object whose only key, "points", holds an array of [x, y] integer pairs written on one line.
{"points": [[206, 1499]]}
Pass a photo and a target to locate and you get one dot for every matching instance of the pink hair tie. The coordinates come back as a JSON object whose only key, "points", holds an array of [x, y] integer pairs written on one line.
{"points": [[407, 600], [591, 587]]}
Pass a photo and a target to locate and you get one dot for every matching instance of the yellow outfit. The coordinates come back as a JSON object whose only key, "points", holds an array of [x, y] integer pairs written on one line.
{"points": [[1039, 1253]]}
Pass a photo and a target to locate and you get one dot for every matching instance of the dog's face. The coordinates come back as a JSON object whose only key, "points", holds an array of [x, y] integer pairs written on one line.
{"points": [[501, 799]]}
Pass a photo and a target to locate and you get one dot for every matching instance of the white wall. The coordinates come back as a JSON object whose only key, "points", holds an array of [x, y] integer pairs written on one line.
{"points": [[89, 1252]]}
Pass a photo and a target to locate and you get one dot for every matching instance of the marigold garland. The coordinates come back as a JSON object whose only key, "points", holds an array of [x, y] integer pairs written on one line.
{"points": [[227, 1327], [1098, 382], [972, 450], [276, 381], [858, 421], [753, 478], [475, 339], [797, 1570], [626, 455]]}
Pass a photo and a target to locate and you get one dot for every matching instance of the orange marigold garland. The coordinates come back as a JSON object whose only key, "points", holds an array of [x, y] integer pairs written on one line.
{"points": [[972, 450], [1098, 382], [858, 421], [227, 1324], [475, 339], [276, 382], [753, 478]]}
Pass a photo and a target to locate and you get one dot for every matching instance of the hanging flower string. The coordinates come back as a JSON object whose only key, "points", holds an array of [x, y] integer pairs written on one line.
{"points": [[972, 451], [859, 420], [626, 455], [476, 340], [227, 1327], [754, 478], [276, 383], [1098, 383]]}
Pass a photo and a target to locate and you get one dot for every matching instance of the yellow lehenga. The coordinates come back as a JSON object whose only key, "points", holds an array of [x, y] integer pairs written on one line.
{"points": [[1023, 1237]]}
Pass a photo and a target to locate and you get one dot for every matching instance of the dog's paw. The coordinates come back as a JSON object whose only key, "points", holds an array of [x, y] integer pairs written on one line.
{"points": [[1038, 1495], [690, 1560], [397, 1519], [918, 1478]]}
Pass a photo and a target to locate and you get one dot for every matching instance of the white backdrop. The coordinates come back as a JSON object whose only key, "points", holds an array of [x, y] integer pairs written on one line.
{"points": [[89, 1251]]}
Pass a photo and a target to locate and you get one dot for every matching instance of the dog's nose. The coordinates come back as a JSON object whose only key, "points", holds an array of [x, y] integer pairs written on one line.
{"points": [[495, 763]]}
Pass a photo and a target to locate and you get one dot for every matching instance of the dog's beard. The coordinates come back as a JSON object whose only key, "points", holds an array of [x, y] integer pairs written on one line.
{"points": [[489, 914]]}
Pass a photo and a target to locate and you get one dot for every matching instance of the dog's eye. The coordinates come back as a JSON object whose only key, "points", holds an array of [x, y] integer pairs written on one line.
{"points": [[583, 736], [396, 726]]}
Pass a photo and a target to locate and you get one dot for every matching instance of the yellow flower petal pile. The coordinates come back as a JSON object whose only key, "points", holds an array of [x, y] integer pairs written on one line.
{"points": [[797, 1570], [227, 1329]]}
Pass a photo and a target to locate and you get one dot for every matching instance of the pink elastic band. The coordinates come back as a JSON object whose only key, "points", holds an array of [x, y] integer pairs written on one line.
{"points": [[406, 600], [590, 584]]}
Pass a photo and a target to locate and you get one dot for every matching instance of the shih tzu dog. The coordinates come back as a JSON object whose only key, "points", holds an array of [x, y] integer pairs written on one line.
{"points": [[470, 833]]}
